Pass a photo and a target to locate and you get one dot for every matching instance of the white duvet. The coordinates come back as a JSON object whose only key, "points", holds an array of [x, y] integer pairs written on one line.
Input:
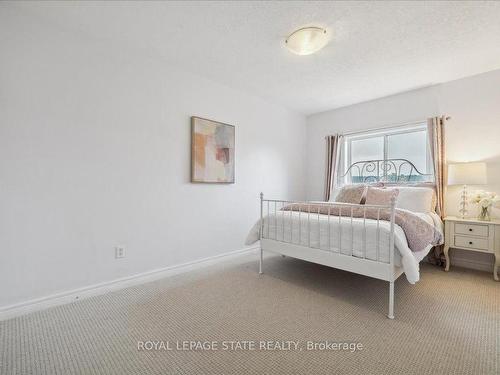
{"points": [[317, 232]]}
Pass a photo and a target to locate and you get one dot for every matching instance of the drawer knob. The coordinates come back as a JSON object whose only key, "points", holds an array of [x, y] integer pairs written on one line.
{"points": [[470, 229], [470, 242]]}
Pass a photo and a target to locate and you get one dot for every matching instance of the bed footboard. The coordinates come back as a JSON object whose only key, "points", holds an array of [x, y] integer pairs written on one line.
{"points": [[325, 246]]}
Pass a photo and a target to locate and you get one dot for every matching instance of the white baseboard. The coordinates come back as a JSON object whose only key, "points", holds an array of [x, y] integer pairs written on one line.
{"points": [[42, 303]]}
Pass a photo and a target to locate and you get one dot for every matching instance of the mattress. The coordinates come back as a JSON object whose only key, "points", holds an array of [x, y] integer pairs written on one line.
{"points": [[364, 238]]}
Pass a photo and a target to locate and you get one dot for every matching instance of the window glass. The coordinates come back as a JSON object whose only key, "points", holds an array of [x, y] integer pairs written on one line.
{"points": [[363, 150], [411, 146], [367, 149], [394, 155]]}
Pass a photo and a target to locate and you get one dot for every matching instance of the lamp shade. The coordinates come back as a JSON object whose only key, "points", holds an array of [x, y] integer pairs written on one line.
{"points": [[467, 174]]}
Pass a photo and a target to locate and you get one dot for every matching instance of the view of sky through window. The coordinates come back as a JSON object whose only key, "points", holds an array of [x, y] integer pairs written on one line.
{"points": [[388, 149], [411, 146]]}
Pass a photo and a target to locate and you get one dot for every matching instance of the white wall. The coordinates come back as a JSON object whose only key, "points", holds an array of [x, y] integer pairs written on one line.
{"points": [[473, 134], [474, 131], [95, 152]]}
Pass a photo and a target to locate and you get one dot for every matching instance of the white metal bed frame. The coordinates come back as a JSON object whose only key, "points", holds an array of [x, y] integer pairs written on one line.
{"points": [[334, 258]]}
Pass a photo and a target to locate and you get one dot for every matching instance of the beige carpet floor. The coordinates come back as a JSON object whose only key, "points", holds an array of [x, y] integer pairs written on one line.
{"points": [[448, 323]]}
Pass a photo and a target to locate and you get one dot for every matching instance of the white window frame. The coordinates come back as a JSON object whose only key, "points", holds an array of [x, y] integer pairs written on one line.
{"points": [[346, 156]]}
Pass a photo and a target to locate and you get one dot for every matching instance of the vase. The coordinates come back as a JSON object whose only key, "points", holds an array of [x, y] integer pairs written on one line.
{"points": [[484, 214]]}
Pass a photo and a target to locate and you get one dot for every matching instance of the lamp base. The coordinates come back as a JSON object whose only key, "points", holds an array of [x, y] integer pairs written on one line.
{"points": [[463, 203]]}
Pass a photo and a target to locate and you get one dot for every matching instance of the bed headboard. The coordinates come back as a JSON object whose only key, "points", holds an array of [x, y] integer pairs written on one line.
{"points": [[391, 171]]}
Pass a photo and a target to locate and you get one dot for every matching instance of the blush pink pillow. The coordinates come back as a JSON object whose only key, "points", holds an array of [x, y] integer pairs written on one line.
{"points": [[351, 194], [381, 197]]}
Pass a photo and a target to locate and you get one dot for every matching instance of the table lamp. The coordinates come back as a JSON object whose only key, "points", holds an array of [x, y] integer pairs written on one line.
{"points": [[466, 174]]}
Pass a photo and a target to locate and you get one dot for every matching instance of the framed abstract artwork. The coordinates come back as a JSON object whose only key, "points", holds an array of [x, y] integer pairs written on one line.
{"points": [[212, 151]]}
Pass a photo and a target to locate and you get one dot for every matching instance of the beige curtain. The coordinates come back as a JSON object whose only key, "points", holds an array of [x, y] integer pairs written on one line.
{"points": [[436, 132], [332, 156]]}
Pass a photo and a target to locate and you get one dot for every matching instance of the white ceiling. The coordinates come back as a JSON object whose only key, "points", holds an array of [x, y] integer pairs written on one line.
{"points": [[377, 48]]}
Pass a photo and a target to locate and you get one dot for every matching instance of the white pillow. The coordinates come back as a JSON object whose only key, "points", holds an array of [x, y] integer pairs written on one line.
{"points": [[416, 199]]}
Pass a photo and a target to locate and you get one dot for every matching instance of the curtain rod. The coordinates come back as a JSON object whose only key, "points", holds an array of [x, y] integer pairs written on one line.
{"points": [[390, 126]]}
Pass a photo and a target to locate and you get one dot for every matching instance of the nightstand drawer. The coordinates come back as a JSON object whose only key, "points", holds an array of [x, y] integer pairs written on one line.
{"points": [[471, 242], [472, 229]]}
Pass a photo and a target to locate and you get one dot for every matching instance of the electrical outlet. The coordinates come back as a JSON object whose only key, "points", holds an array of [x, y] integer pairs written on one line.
{"points": [[119, 252]]}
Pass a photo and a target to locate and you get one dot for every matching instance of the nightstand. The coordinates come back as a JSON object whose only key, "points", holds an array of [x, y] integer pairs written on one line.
{"points": [[475, 235]]}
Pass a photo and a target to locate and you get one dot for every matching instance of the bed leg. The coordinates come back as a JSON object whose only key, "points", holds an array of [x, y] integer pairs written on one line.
{"points": [[260, 261], [391, 300]]}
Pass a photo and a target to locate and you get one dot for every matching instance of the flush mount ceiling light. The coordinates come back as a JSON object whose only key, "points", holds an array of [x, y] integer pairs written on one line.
{"points": [[307, 40]]}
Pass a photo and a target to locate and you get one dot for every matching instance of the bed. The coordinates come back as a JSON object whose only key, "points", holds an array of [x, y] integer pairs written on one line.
{"points": [[357, 238]]}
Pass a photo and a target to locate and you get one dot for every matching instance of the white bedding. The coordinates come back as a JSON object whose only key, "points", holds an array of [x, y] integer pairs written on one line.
{"points": [[284, 226]]}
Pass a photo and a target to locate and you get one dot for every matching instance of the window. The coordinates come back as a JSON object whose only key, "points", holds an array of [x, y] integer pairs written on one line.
{"points": [[394, 155]]}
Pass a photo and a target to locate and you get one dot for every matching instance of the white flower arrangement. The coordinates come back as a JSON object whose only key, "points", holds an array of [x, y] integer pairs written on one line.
{"points": [[485, 199]]}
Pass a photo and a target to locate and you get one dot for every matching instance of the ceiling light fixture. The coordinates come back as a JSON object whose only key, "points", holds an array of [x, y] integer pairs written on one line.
{"points": [[307, 40]]}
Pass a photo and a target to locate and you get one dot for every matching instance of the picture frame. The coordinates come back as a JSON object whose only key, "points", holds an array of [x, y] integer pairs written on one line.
{"points": [[212, 151]]}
